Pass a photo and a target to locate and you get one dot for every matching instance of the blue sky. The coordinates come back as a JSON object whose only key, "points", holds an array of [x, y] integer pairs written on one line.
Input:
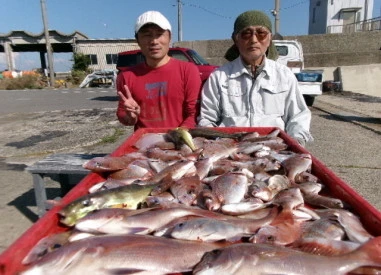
{"points": [[201, 19]]}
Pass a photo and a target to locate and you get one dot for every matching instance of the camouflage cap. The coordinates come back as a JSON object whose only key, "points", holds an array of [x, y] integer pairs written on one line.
{"points": [[251, 18]]}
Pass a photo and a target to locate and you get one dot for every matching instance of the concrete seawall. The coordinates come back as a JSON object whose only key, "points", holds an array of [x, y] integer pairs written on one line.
{"points": [[352, 59]]}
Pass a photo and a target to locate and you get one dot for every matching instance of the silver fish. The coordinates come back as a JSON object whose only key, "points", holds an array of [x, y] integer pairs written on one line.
{"points": [[210, 230], [122, 254], [243, 207], [289, 198], [186, 189], [208, 200], [297, 164], [322, 246], [230, 187], [142, 221], [350, 222], [110, 163], [174, 171], [164, 155], [160, 199], [310, 192], [148, 140], [46, 245], [269, 259]]}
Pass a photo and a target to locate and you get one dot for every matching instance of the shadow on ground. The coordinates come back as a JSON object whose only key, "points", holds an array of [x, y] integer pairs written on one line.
{"points": [[26, 200]]}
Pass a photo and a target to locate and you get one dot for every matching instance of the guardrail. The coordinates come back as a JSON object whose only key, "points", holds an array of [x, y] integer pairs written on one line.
{"points": [[373, 24]]}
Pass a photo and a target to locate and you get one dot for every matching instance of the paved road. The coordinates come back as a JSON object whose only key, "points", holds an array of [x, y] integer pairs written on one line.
{"points": [[345, 128], [29, 101]]}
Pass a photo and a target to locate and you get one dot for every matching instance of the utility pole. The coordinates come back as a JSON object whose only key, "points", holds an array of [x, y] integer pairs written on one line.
{"points": [[275, 12], [179, 21], [48, 46]]}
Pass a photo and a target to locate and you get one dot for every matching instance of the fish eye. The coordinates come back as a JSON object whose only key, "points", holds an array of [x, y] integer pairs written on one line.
{"points": [[270, 238], [86, 203], [98, 164], [57, 245]]}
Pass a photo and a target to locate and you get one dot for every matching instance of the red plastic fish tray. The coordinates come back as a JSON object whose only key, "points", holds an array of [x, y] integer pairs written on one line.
{"points": [[10, 259]]}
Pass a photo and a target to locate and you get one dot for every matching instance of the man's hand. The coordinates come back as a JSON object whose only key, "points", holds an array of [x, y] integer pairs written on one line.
{"points": [[130, 106]]}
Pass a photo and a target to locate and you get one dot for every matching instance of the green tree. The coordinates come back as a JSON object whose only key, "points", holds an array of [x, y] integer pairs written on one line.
{"points": [[81, 62], [80, 68]]}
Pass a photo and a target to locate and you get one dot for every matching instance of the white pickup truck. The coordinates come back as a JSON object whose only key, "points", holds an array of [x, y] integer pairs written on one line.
{"points": [[310, 81]]}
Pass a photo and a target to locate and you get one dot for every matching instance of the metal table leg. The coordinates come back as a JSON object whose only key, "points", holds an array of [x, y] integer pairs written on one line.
{"points": [[40, 193]]}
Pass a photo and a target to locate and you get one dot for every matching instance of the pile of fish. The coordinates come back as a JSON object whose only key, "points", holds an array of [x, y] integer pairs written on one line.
{"points": [[207, 202]]}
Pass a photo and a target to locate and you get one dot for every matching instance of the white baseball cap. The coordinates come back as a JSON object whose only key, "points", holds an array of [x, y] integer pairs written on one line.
{"points": [[153, 17]]}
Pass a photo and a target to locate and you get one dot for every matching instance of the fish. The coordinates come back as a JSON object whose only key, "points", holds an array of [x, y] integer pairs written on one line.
{"points": [[186, 189], [266, 191], [218, 150], [110, 163], [159, 199], [130, 196], [305, 177], [148, 140], [289, 199], [46, 245], [260, 190], [245, 258], [324, 237], [297, 164], [122, 254], [230, 187], [243, 207], [203, 167], [249, 147], [182, 136], [163, 155], [350, 222], [174, 171], [141, 221], [323, 246], [211, 230], [310, 192], [211, 133], [255, 136], [208, 200], [283, 230]]}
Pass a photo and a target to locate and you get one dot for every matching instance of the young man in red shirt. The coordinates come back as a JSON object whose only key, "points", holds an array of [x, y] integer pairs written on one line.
{"points": [[162, 91]]}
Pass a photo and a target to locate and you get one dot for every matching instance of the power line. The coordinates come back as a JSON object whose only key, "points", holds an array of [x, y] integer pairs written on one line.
{"points": [[295, 5], [206, 10]]}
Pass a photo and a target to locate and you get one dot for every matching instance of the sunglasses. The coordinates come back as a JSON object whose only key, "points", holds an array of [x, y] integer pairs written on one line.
{"points": [[260, 33]]}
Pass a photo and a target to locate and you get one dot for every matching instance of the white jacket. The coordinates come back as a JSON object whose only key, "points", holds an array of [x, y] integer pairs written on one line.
{"points": [[230, 97]]}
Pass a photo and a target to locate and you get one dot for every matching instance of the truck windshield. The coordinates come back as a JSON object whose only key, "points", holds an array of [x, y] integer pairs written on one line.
{"points": [[198, 59]]}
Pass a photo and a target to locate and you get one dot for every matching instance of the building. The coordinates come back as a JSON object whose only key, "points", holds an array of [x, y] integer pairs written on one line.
{"points": [[341, 16], [103, 53]]}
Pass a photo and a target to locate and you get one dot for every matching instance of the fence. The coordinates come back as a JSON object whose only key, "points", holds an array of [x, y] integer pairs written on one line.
{"points": [[373, 24]]}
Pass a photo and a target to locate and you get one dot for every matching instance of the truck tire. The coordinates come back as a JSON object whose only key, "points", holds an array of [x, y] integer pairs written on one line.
{"points": [[309, 100]]}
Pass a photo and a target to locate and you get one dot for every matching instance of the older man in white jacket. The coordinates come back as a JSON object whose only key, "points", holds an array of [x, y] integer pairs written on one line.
{"points": [[253, 90]]}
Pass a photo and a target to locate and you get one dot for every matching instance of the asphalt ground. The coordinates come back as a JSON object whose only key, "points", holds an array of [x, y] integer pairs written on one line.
{"points": [[27, 138]]}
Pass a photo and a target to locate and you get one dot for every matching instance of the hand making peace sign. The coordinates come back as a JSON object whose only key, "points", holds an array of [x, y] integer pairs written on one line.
{"points": [[132, 108]]}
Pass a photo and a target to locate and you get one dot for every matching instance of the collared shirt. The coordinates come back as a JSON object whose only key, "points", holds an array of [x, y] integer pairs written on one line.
{"points": [[232, 98]]}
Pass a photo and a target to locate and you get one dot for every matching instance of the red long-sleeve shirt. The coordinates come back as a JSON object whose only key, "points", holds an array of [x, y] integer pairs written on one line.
{"points": [[168, 96]]}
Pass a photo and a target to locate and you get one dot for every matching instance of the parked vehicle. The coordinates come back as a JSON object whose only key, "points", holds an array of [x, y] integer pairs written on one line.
{"points": [[310, 81], [130, 58]]}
